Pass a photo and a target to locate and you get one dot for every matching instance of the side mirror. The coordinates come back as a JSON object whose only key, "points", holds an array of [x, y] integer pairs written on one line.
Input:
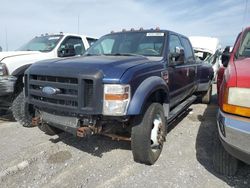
{"points": [[177, 57], [67, 51], [225, 56]]}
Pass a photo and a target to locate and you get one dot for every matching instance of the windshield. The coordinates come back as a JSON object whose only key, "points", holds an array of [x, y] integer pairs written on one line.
{"points": [[42, 43], [244, 50], [129, 43]]}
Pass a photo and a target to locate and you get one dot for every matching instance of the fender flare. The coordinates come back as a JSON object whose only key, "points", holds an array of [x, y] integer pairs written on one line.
{"points": [[20, 70], [142, 93], [18, 73]]}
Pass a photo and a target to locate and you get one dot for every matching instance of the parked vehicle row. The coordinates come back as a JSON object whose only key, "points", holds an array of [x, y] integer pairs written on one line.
{"points": [[130, 85]]}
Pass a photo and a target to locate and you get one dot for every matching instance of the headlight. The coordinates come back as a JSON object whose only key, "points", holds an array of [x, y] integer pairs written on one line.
{"points": [[116, 99], [237, 101], [3, 70]]}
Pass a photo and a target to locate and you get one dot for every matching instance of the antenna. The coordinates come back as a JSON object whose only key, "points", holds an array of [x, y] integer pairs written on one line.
{"points": [[245, 13], [78, 20], [6, 39]]}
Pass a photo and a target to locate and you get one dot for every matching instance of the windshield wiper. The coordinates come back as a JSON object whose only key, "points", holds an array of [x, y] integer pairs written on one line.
{"points": [[121, 54], [91, 54]]}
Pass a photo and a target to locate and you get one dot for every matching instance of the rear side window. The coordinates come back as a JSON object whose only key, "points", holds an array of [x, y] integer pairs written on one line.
{"points": [[189, 56]]}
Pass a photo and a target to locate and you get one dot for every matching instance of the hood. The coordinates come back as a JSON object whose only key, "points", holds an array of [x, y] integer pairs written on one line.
{"points": [[16, 59], [242, 67], [112, 67], [4, 55]]}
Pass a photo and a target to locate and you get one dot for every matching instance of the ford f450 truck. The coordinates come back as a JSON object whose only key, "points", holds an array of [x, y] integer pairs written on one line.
{"points": [[129, 85], [14, 63]]}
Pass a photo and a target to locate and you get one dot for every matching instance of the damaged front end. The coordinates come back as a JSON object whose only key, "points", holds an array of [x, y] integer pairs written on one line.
{"points": [[7, 84], [85, 126]]}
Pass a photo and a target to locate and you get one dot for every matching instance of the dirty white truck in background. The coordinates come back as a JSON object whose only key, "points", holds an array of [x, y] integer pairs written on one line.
{"points": [[14, 63], [207, 49]]}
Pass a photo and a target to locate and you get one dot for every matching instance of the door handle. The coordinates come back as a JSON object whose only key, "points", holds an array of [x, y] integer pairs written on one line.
{"points": [[187, 72]]}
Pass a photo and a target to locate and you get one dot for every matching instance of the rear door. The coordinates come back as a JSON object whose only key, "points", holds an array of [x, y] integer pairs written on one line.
{"points": [[190, 67]]}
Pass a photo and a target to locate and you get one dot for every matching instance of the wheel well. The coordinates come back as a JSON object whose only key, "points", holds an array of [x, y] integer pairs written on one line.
{"points": [[18, 86], [159, 96]]}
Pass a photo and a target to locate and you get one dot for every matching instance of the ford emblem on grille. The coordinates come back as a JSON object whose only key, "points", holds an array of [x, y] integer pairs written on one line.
{"points": [[50, 90]]}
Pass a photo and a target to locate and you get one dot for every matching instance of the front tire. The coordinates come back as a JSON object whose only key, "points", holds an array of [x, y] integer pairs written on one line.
{"points": [[223, 162], [20, 111], [148, 135]]}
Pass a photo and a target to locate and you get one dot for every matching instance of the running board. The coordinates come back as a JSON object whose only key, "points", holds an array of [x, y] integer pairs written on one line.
{"points": [[178, 109]]}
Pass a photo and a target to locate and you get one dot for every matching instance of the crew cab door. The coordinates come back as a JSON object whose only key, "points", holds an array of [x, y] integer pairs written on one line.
{"points": [[190, 66], [176, 70]]}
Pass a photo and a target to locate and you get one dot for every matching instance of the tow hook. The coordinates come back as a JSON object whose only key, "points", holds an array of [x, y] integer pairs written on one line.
{"points": [[84, 131], [36, 121]]}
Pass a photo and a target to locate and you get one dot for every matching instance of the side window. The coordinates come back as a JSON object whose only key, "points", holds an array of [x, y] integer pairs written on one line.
{"points": [[189, 54], [174, 41], [76, 42], [244, 50]]}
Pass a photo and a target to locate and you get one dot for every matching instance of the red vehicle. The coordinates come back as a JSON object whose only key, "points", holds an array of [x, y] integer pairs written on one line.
{"points": [[233, 118]]}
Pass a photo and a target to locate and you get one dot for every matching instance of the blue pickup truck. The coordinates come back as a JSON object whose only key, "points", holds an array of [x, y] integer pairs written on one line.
{"points": [[129, 85]]}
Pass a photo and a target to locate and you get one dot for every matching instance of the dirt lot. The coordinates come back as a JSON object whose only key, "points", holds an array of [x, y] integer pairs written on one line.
{"points": [[29, 158]]}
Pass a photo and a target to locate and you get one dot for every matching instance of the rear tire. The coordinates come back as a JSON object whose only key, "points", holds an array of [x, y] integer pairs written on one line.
{"points": [[20, 111], [49, 130], [223, 162], [148, 135], [206, 97]]}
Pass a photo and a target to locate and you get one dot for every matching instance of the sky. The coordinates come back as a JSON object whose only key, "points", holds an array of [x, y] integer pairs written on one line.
{"points": [[21, 20]]}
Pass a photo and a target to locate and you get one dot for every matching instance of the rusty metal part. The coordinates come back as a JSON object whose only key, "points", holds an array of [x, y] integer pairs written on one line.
{"points": [[36, 121], [116, 137], [88, 130], [84, 131]]}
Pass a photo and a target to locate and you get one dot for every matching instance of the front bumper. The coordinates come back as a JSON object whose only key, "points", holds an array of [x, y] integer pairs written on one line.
{"points": [[234, 133], [7, 85], [6, 89]]}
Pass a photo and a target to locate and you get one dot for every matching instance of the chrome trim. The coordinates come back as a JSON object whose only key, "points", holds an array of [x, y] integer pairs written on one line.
{"points": [[237, 130]]}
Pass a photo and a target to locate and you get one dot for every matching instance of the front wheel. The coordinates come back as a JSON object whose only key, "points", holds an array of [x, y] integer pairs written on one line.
{"points": [[223, 162], [20, 111], [148, 135]]}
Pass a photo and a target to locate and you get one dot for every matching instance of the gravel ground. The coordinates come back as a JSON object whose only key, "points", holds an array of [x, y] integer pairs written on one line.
{"points": [[29, 158]]}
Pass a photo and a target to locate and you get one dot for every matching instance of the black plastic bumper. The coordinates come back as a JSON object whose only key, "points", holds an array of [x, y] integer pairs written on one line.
{"points": [[6, 91], [237, 153]]}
